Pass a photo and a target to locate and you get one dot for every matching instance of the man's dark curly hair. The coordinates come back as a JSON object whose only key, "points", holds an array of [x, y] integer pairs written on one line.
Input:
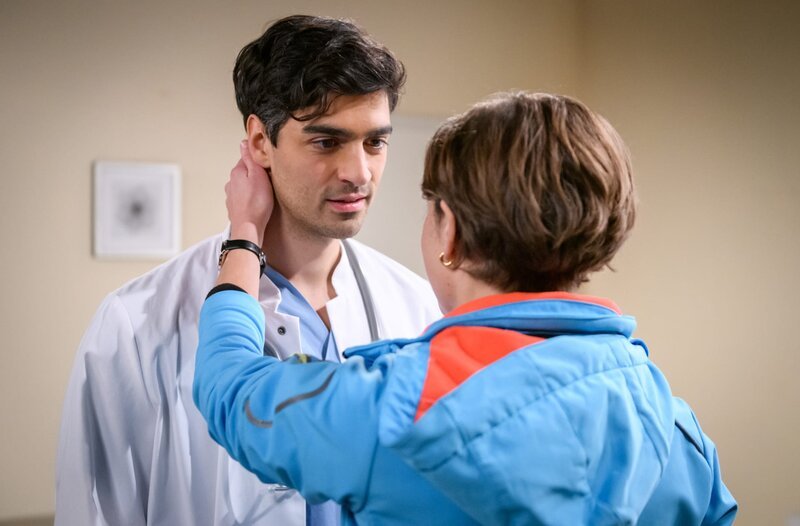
{"points": [[305, 62]]}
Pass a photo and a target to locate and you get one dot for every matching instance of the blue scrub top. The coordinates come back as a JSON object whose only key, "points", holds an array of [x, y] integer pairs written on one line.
{"points": [[315, 340]]}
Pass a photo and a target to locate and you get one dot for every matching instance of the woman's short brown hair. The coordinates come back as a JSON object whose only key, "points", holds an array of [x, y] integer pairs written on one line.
{"points": [[540, 186]]}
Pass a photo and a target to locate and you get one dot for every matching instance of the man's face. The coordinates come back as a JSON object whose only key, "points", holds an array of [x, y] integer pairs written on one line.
{"points": [[325, 171]]}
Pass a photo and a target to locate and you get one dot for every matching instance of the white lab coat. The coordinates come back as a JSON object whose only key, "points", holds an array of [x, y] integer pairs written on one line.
{"points": [[133, 448]]}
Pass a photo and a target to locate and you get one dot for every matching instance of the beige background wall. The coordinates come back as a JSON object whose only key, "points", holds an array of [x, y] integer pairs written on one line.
{"points": [[706, 95], [703, 93]]}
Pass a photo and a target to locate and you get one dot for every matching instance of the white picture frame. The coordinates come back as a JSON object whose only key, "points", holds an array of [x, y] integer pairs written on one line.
{"points": [[136, 210]]}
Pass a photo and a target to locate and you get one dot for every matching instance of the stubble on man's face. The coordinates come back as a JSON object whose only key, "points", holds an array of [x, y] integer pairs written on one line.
{"points": [[303, 219], [326, 171]]}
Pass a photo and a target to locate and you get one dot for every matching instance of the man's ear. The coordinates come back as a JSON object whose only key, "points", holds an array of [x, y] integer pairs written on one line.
{"points": [[257, 141], [448, 231]]}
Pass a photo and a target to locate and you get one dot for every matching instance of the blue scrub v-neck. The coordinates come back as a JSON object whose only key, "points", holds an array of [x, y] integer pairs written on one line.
{"points": [[315, 338]]}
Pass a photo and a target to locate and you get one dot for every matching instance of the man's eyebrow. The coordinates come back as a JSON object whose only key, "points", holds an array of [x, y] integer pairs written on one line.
{"points": [[377, 132], [332, 131], [321, 129]]}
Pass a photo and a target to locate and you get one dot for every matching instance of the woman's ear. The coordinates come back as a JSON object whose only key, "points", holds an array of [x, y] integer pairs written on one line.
{"points": [[257, 141], [448, 231]]}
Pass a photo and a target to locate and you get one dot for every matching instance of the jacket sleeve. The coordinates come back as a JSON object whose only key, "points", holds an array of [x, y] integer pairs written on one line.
{"points": [[722, 507], [289, 422], [105, 443], [691, 490]]}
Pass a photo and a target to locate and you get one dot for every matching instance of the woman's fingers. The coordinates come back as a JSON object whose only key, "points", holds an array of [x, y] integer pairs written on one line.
{"points": [[250, 165], [248, 193]]}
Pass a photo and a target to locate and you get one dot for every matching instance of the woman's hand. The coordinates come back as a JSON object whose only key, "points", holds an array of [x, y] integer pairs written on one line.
{"points": [[249, 198]]}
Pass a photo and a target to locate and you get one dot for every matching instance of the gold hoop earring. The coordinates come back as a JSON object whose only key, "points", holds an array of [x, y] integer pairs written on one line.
{"points": [[444, 262]]}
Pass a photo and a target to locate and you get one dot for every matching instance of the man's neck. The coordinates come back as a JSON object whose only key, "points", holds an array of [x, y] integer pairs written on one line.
{"points": [[306, 261]]}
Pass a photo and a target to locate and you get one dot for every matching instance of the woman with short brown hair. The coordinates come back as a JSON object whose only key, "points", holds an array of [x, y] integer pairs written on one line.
{"points": [[540, 187], [525, 404]]}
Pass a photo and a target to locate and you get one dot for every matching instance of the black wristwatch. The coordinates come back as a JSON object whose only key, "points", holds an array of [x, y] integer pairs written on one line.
{"points": [[233, 244]]}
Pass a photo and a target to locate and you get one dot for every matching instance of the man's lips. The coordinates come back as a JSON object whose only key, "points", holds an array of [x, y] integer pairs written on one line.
{"points": [[348, 203]]}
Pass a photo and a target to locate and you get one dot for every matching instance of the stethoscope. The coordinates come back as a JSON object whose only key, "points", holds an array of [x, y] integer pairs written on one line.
{"points": [[363, 288]]}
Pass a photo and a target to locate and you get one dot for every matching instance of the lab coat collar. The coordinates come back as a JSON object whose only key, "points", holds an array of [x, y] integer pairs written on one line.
{"points": [[282, 335], [270, 294], [345, 311], [342, 279]]}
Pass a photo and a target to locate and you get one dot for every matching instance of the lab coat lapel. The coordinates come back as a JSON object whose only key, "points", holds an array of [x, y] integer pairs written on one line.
{"points": [[282, 330]]}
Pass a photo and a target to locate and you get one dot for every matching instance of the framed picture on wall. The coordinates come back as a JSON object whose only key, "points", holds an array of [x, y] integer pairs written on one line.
{"points": [[136, 210]]}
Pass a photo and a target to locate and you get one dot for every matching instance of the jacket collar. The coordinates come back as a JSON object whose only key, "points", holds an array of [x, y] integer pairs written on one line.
{"points": [[497, 300], [549, 313], [540, 314]]}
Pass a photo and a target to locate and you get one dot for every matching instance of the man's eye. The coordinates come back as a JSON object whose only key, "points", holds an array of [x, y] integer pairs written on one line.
{"points": [[326, 144], [377, 144]]}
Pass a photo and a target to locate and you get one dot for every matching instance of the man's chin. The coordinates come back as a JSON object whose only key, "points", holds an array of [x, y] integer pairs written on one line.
{"points": [[346, 233], [344, 228]]}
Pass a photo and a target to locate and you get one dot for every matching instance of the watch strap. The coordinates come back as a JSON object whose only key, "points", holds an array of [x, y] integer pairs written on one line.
{"points": [[243, 244]]}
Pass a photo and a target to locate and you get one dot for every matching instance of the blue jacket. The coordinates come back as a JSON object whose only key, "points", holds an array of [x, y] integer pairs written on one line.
{"points": [[513, 409]]}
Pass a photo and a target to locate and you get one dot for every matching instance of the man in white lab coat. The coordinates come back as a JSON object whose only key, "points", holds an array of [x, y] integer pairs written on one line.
{"points": [[316, 95]]}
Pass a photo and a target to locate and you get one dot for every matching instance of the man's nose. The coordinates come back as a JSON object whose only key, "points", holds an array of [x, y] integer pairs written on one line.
{"points": [[355, 169]]}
